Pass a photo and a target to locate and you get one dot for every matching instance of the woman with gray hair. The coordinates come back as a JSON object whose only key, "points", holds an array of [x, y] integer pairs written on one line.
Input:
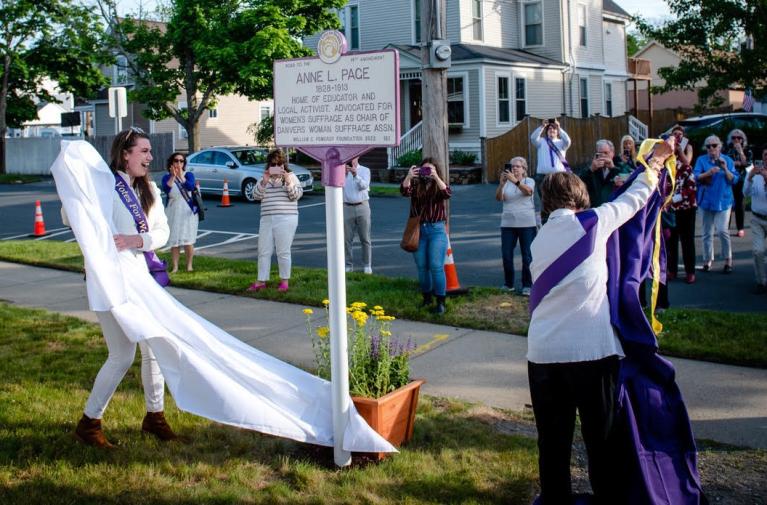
{"points": [[516, 190], [737, 149], [716, 175]]}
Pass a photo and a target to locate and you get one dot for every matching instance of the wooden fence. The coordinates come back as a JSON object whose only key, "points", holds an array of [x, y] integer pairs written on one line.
{"points": [[584, 134]]}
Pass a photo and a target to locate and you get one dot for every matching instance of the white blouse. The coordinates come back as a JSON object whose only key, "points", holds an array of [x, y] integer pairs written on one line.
{"points": [[518, 208]]}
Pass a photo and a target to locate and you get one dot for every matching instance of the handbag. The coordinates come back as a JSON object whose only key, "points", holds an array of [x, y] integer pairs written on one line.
{"points": [[412, 234], [197, 198]]}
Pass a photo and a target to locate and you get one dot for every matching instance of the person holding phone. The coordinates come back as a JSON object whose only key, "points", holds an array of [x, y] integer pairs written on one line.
{"points": [[515, 190], [626, 161], [427, 190], [551, 143], [685, 206], [600, 176], [716, 175], [178, 185], [755, 186], [357, 214], [279, 191], [742, 157]]}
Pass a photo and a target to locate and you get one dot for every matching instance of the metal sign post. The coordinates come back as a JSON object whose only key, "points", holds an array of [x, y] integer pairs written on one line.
{"points": [[118, 106], [336, 107]]}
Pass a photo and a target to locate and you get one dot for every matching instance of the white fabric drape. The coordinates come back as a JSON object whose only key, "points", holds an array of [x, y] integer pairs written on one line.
{"points": [[209, 372]]}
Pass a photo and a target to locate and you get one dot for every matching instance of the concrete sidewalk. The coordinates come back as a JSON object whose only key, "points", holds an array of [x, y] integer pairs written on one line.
{"points": [[726, 403]]}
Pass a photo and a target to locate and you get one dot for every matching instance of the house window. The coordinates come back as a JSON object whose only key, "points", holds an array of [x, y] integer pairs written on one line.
{"points": [[354, 25], [476, 18], [520, 98], [582, 24], [504, 102], [417, 20], [533, 17], [584, 98], [455, 101], [608, 99], [212, 113], [266, 111], [120, 72]]}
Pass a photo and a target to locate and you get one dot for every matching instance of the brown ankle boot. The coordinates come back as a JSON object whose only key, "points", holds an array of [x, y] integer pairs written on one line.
{"points": [[89, 432], [155, 423]]}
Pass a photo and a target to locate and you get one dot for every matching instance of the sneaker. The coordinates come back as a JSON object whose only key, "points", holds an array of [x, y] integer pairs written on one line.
{"points": [[741, 233], [525, 291], [727, 269], [257, 286], [706, 267], [283, 287], [507, 289], [368, 270], [690, 279]]}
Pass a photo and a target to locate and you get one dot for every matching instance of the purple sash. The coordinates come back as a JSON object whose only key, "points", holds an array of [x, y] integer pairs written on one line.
{"points": [[571, 258], [157, 267], [553, 149], [186, 196]]}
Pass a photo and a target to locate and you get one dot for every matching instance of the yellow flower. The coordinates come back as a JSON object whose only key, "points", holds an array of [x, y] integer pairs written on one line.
{"points": [[323, 331], [308, 312], [385, 318], [359, 305], [326, 302], [385, 333], [360, 317], [378, 307]]}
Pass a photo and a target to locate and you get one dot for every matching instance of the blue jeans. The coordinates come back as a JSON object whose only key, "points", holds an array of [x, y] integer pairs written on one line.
{"points": [[509, 238], [430, 258]]}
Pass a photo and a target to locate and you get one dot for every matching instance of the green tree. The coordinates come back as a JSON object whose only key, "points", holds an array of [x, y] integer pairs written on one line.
{"points": [[634, 42], [58, 39], [210, 48], [722, 43]]}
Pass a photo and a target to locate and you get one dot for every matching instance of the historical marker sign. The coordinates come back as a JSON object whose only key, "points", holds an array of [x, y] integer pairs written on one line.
{"points": [[353, 101]]}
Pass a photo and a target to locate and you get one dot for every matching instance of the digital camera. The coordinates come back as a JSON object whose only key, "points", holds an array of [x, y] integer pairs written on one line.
{"points": [[424, 171]]}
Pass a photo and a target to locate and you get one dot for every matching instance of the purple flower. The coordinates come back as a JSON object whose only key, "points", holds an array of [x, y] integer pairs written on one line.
{"points": [[375, 345]]}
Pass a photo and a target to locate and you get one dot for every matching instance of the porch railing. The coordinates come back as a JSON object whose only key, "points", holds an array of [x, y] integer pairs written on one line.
{"points": [[637, 129], [410, 141]]}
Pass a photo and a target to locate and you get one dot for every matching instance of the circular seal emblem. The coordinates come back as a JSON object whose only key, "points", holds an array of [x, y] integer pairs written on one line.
{"points": [[331, 46]]}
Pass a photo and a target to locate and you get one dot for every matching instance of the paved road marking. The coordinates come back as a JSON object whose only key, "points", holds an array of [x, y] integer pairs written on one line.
{"points": [[238, 237], [26, 235], [436, 339]]}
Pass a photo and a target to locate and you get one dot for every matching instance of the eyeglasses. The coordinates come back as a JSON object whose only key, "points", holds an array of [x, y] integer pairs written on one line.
{"points": [[179, 160], [712, 146], [737, 137], [517, 166]]}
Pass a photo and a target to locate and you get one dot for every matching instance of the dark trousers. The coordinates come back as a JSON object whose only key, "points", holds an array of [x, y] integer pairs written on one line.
{"points": [[509, 238], [684, 234], [557, 391], [738, 207]]}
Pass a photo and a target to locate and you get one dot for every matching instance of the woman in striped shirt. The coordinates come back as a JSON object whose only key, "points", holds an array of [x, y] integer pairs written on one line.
{"points": [[279, 191], [428, 192]]}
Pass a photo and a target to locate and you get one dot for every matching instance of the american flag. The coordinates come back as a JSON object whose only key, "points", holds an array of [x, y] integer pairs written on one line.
{"points": [[748, 101]]}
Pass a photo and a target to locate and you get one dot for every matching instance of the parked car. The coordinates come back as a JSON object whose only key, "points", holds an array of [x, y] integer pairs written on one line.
{"points": [[242, 167], [753, 124]]}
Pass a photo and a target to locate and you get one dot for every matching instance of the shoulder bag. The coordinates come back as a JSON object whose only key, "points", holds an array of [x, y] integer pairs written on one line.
{"points": [[412, 234]]}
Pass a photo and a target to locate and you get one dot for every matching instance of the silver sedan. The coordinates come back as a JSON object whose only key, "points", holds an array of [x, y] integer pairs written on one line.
{"points": [[242, 167]]}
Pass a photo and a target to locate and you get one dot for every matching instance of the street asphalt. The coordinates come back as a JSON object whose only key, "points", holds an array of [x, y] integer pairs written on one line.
{"points": [[727, 404]]}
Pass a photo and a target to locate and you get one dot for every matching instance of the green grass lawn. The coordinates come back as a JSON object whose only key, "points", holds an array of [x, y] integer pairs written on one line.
{"points": [[49, 361], [734, 338], [18, 178]]}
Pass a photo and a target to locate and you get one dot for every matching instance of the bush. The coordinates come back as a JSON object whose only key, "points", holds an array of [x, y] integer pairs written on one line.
{"points": [[410, 158], [462, 158]]}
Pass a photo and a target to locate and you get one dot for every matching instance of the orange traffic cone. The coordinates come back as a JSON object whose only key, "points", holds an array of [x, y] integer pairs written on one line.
{"points": [[451, 275], [225, 196], [39, 223]]}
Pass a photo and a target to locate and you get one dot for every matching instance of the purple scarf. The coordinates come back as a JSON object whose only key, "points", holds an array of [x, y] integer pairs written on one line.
{"points": [[157, 267], [554, 150]]}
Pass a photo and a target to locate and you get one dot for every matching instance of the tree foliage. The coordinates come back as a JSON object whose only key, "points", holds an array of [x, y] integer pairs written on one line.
{"points": [[55, 39], [722, 43], [634, 42], [210, 48]]}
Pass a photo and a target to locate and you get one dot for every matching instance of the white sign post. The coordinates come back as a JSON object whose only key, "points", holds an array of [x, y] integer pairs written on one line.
{"points": [[334, 108], [118, 106]]}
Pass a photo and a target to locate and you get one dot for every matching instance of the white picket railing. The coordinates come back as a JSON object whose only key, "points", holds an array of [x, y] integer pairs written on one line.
{"points": [[410, 141], [638, 129]]}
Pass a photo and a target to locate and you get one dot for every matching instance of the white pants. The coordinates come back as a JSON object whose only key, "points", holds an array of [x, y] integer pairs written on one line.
{"points": [[121, 354], [275, 232], [721, 221], [759, 235]]}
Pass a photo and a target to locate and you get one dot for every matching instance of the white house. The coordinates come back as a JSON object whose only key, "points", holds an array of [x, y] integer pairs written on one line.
{"points": [[510, 58]]}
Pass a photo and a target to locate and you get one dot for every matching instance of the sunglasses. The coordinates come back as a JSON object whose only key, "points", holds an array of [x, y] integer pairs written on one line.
{"points": [[712, 146], [735, 137], [179, 160]]}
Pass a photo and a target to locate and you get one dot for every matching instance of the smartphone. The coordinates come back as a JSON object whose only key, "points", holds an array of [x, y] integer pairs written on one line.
{"points": [[507, 167], [683, 143], [551, 121], [626, 153], [276, 170]]}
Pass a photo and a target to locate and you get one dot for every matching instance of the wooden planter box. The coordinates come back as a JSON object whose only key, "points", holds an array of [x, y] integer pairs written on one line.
{"points": [[392, 416]]}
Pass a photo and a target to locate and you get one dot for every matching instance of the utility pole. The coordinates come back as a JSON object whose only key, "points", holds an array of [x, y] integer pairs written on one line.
{"points": [[434, 82]]}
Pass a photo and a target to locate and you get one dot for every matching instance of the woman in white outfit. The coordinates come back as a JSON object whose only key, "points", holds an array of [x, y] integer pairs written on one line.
{"points": [[551, 143], [279, 191], [130, 157], [181, 210]]}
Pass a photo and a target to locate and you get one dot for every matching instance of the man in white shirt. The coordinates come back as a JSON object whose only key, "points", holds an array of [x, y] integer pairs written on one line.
{"points": [[357, 214]]}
